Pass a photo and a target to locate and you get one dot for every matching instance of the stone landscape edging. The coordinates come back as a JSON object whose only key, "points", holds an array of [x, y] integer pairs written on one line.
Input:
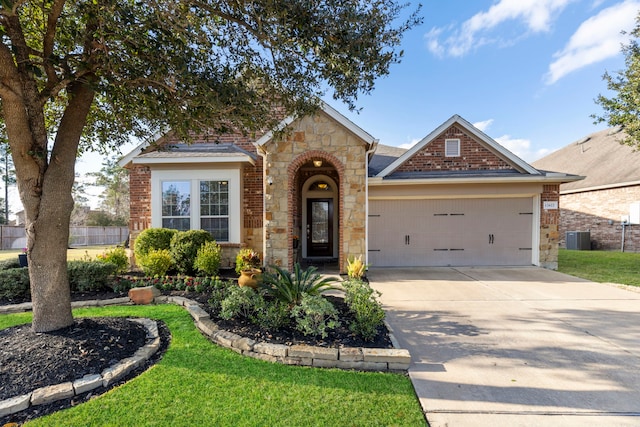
{"points": [[349, 358], [108, 376], [358, 358]]}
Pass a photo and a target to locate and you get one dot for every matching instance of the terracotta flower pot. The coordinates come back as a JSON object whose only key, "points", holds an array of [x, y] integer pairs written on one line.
{"points": [[249, 278]]}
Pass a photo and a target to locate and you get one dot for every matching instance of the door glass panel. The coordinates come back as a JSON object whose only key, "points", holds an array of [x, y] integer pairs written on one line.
{"points": [[320, 222]]}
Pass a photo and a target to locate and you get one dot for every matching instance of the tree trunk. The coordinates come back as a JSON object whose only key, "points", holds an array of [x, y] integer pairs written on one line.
{"points": [[48, 232]]}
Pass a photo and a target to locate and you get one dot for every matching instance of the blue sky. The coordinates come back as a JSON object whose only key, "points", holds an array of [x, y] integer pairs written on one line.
{"points": [[526, 72]]}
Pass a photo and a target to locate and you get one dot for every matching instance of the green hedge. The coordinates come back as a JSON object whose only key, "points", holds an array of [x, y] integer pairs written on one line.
{"points": [[184, 249], [14, 283], [90, 275]]}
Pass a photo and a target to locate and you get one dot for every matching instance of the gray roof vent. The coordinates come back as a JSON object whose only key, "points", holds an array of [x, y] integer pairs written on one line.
{"points": [[615, 130]]}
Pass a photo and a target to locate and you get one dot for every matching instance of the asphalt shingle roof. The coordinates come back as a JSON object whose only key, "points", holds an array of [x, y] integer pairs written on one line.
{"points": [[599, 157]]}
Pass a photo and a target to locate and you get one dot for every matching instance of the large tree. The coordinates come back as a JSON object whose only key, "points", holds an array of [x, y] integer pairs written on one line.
{"points": [[89, 74], [623, 108]]}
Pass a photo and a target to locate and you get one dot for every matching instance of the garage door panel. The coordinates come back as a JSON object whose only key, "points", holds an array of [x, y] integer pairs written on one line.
{"points": [[451, 232]]}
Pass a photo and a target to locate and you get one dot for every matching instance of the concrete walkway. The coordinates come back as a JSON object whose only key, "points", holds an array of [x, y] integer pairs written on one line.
{"points": [[516, 346]]}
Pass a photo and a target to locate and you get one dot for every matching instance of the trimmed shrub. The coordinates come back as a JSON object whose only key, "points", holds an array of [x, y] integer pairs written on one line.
{"points": [[90, 275], [156, 263], [14, 283], [153, 238], [184, 249], [208, 258], [367, 310], [9, 263], [315, 315], [116, 256]]}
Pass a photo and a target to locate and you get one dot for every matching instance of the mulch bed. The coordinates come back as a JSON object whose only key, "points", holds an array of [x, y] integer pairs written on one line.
{"points": [[337, 338], [29, 360]]}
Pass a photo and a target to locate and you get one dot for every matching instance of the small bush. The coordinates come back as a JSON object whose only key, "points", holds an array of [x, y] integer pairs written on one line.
{"points": [[356, 268], [291, 287], [152, 238], [90, 275], [363, 303], [208, 258], [122, 284], [271, 314], [315, 316], [156, 263], [14, 283], [240, 301], [117, 256], [184, 249], [246, 259], [219, 291]]}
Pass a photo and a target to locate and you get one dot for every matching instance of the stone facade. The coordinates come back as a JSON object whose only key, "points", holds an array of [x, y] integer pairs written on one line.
{"points": [[600, 213], [314, 138], [549, 225]]}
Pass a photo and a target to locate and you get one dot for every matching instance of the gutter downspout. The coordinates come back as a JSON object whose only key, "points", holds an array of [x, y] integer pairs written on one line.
{"points": [[263, 153]]}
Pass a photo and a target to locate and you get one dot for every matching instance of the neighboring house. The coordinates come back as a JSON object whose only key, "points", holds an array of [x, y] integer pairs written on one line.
{"points": [[328, 191], [604, 200]]}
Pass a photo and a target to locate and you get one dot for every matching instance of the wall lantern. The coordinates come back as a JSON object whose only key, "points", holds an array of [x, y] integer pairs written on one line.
{"points": [[317, 163]]}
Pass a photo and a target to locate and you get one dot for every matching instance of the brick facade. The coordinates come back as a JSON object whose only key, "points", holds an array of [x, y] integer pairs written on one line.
{"points": [[600, 212], [140, 200], [473, 156]]}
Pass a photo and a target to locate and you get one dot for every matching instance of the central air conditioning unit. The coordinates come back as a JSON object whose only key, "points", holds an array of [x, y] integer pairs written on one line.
{"points": [[578, 240]]}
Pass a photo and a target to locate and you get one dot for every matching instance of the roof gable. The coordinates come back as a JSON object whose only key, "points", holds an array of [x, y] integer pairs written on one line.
{"points": [[331, 112], [478, 152]]}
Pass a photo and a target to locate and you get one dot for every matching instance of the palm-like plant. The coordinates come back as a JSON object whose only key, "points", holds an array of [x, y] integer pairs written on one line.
{"points": [[291, 287]]}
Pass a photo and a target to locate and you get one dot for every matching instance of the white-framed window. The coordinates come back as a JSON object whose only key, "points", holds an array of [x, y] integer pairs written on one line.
{"points": [[214, 209], [198, 200], [451, 147], [176, 205]]}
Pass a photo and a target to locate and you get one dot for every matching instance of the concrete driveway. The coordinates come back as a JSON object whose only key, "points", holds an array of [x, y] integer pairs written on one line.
{"points": [[516, 346]]}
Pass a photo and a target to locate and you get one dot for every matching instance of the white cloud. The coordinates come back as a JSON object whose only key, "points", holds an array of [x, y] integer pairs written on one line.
{"points": [[535, 15], [521, 148], [410, 144], [484, 125], [595, 40]]}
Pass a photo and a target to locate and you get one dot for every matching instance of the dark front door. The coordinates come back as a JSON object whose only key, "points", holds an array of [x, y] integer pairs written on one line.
{"points": [[319, 227]]}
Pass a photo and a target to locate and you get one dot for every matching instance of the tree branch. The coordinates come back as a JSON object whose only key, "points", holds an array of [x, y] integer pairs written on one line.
{"points": [[49, 38]]}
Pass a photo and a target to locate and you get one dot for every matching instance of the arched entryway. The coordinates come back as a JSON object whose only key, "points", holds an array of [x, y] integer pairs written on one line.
{"points": [[319, 219], [315, 202]]}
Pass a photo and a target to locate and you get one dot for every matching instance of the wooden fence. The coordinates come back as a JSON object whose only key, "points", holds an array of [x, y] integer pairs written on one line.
{"points": [[14, 237]]}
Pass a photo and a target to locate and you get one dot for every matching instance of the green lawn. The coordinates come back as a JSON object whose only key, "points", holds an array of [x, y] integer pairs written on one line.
{"points": [[72, 254], [601, 266], [200, 384]]}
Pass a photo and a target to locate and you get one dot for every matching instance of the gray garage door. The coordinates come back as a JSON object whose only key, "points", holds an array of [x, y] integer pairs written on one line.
{"points": [[460, 232]]}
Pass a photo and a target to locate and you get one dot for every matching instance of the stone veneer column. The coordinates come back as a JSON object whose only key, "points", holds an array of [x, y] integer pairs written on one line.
{"points": [[315, 137], [549, 223]]}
